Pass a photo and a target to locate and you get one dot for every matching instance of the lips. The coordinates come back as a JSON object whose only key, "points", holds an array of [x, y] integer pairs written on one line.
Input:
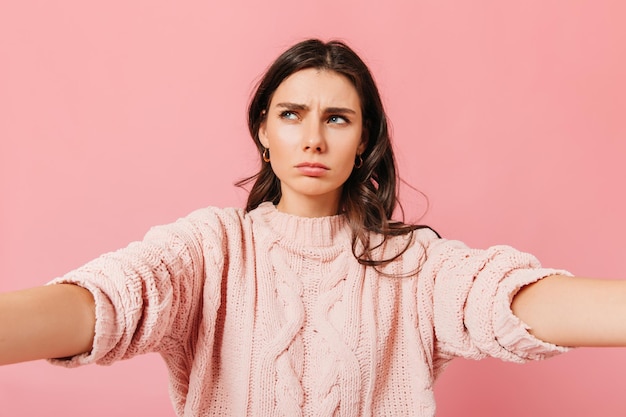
{"points": [[312, 169], [312, 165]]}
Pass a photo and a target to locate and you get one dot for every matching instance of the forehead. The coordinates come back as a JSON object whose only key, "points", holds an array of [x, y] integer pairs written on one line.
{"points": [[317, 86]]}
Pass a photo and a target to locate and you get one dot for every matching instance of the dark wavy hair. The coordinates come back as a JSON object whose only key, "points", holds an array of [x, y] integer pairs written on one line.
{"points": [[369, 195]]}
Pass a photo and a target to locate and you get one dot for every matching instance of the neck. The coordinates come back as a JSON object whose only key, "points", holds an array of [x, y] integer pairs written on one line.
{"points": [[309, 206]]}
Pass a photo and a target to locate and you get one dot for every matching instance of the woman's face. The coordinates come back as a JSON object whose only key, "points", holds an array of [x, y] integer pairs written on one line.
{"points": [[313, 130]]}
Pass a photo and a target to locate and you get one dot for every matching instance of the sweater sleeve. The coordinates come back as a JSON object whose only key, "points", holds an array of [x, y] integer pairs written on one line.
{"points": [[472, 293], [146, 294]]}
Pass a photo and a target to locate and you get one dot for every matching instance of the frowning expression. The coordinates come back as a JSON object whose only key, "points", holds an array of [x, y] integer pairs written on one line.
{"points": [[313, 130]]}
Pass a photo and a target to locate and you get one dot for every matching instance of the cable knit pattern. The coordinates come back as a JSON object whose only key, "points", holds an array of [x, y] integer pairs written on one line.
{"points": [[268, 314], [282, 362]]}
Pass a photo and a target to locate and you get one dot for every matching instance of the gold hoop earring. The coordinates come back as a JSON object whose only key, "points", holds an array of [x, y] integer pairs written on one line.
{"points": [[358, 163], [266, 154]]}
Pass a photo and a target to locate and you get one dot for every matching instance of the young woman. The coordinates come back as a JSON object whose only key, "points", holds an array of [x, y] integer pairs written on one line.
{"points": [[311, 300]]}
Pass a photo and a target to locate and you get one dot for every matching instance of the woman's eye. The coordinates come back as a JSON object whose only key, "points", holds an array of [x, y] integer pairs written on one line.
{"points": [[338, 120], [289, 115]]}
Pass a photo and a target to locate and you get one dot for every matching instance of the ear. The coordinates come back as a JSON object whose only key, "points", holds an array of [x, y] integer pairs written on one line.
{"points": [[363, 145], [263, 131], [361, 148]]}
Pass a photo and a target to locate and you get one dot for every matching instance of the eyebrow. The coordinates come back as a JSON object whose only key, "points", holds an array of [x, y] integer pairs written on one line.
{"points": [[296, 106]]}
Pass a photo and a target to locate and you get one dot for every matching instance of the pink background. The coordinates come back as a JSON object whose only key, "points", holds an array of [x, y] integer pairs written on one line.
{"points": [[119, 115]]}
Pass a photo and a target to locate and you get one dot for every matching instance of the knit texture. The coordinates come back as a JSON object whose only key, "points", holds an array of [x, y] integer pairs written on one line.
{"points": [[269, 314]]}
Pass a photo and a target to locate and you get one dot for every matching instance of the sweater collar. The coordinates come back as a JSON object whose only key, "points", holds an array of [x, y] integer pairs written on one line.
{"points": [[304, 231]]}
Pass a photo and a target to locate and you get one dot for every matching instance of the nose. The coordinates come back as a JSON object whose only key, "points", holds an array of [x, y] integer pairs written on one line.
{"points": [[314, 139]]}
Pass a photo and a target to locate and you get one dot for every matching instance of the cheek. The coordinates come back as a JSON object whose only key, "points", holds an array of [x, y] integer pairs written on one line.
{"points": [[280, 149], [347, 163], [287, 134]]}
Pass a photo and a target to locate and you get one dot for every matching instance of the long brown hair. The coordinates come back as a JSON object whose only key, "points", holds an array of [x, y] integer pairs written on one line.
{"points": [[369, 195]]}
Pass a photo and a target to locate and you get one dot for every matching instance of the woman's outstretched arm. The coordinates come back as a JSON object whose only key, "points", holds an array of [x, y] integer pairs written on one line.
{"points": [[46, 322], [574, 311]]}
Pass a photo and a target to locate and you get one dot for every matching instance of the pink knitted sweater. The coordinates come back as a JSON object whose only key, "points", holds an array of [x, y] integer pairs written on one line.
{"points": [[268, 314]]}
